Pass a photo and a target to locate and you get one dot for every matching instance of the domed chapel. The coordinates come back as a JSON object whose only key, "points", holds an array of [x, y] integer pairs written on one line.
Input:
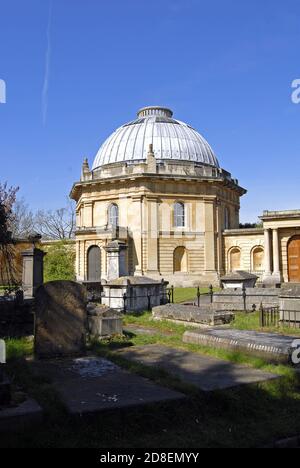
{"points": [[157, 187]]}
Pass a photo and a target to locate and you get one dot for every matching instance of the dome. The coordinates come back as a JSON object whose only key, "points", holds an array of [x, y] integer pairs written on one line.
{"points": [[171, 140]]}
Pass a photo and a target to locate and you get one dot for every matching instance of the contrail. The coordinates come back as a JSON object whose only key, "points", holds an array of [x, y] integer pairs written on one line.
{"points": [[47, 66]]}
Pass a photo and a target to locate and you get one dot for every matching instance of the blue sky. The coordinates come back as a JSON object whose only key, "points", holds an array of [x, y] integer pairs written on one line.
{"points": [[77, 69]]}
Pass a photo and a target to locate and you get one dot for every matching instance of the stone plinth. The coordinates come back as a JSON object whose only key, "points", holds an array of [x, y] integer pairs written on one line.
{"points": [[61, 319], [116, 260], [103, 322], [33, 271], [239, 279], [141, 293]]}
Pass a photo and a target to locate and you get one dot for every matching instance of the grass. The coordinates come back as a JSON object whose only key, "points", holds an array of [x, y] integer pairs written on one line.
{"points": [[248, 416], [250, 321], [188, 294]]}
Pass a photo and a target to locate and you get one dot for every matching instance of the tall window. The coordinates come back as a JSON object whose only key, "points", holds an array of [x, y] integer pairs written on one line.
{"points": [[226, 218], [113, 215], [179, 215]]}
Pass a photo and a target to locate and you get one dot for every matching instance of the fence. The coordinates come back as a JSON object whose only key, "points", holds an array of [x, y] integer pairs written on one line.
{"points": [[269, 317]]}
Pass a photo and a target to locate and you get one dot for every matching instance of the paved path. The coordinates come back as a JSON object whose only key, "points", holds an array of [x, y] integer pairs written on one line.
{"points": [[204, 372], [90, 385], [271, 346]]}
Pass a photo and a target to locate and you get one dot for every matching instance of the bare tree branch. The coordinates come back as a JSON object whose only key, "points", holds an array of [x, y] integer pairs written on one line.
{"points": [[56, 224]]}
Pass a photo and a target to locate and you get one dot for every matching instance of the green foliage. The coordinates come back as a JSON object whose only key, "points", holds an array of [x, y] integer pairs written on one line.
{"points": [[59, 262]]}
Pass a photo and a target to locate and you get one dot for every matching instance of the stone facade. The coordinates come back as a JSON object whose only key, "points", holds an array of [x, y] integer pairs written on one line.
{"points": [[266, 252], [146, 219]]}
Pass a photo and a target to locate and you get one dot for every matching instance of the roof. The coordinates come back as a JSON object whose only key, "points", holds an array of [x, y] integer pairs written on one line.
{"points": [[171, 140]]}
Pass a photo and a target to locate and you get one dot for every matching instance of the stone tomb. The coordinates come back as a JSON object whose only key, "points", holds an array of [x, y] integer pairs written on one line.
{"points": [[289, 305], [103, 321], [60, 319], [206, 315], [141, 293]]}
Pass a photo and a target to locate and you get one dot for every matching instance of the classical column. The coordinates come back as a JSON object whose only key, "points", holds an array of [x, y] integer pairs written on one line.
{"points": [[211, 274], [136, 220], [276, 258], [152, 235], [220, 239], [268, 267]]}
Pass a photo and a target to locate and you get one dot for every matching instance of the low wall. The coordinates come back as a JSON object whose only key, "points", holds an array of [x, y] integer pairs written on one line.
{"points": [[16, 320], [233, 299]]}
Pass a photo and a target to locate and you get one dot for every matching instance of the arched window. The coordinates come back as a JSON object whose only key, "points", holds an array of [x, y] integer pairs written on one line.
{"points": [[258, 259], [235, 259], [113, 215], [226, 218], [179, 215], [180, 260]]}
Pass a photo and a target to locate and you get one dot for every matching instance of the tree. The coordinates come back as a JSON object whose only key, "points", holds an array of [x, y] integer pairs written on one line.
{"points": [[56, 224], [23, 222], [59, 263], [7, 200]]}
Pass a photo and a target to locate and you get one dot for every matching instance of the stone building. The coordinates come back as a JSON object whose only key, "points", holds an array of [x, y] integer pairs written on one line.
{"points": [[157, 187]]}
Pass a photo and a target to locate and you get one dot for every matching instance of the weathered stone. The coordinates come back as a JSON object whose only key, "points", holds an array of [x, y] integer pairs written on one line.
{"points": [[205, 315], [272, 347], [204, 372], [33, 271], [232, 299], [116, 259], [91, 385], [289, 305], [238, 279], [141, 293], [103, 321], [61, 319]]}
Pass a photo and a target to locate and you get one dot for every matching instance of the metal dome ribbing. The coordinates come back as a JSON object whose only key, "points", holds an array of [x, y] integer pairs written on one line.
{"points": [[171, 140]]}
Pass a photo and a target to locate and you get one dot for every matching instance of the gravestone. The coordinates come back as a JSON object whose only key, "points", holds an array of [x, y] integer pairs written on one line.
{"points": [[60, 319], [33, 271], [5, 391]]}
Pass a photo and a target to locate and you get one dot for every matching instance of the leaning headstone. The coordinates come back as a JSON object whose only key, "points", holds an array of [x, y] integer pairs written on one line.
{"points": [[60, 319]]}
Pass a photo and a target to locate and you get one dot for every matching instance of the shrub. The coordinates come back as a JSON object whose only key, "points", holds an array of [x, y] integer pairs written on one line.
{"points": [[59, 262]]}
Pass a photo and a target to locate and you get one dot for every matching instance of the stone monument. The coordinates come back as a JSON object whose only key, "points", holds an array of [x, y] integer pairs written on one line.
{"points": [[60, 319], [116, 259], [33, 268]]}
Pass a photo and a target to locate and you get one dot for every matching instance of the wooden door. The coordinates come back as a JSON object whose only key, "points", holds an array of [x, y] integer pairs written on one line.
{"points": [[94, 264], [294, 259]]}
